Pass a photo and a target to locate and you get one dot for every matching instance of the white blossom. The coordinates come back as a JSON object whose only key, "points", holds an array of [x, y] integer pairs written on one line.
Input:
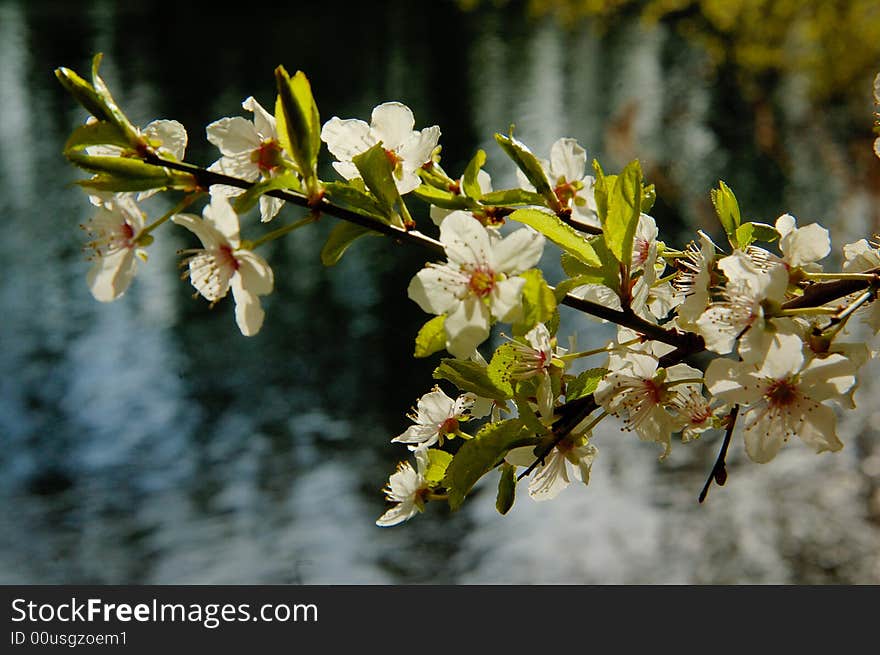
{"points": [[567, 462], [535, 359], [115, 232], [250, 151], [479, 282], [694, 280], [391, 124], [640, 394], [221, 263], [783, 395], [436, 417], [565, 171], [802, 247], [407, 488], [740, 312]]}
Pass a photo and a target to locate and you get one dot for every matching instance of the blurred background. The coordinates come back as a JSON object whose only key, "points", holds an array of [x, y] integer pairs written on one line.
{"points": [[147, 441]]}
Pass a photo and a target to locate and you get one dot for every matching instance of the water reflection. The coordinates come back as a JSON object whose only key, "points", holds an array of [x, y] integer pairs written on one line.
{"points": [[147, 441]]}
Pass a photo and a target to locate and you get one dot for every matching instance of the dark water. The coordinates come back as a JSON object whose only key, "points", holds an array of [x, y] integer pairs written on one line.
{"points": [[147, 441]]}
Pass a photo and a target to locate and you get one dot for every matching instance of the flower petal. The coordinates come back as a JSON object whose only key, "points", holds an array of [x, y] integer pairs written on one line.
{"points": [[221, 216], [518, 251], [397, 514], [347, 138], [436, 289], [506, 298], [467, 326], [172, 135], [249, 313], [264, 122], [233, 136], [567, 160], [392, 123], [111, 275], [255, 273]]}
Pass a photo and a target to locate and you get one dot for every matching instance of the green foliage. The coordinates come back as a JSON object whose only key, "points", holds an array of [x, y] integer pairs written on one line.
{"points": [[431, 337], [584, 384], [511, 198], [564, 236], [375, 170], [499, 368], [469, 376], [298, 123], [538, 301], [353, 194], [441, 197], [120, 174], [727, 209], [340, 238], [748, 233], [95, 134], [619, 200], [526, 161], [248, 200], [506, 488], [438, 462], [525, 390], [479, 455], [470, 186]]}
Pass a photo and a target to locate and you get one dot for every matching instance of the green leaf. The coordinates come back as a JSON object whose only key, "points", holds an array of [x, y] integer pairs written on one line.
{"points": [[116, 115], [440, 197], [84, 93], [619, 199], [469, 183], [506, 488], [297, 121], [116, 184], [538, 302], [431, 337], [567, 285], [727, 209], [248, 200], [584, 384], [500, 366], [564, 236], [748, 233], [512, 198], [353, 193], [469, 376], [526, 161], [375, 170], [123, 167], [479, 455], [95, 134], [438, 462], [341, 237], [526, 389], [649, 197]]}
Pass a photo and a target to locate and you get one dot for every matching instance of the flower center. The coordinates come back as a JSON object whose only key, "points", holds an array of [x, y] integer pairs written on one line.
{"points": [[781, 393], [393, 159], [268, 156], [449, 426], [226, 258], [482, 282], [641, 251]]}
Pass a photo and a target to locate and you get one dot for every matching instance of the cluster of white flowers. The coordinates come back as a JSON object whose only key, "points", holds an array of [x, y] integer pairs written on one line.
{"points": [[770, 323]]}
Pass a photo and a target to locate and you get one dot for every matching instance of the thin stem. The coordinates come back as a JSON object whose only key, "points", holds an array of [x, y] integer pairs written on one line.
{"points": [[839, 276], [179, 207], [805, 311], [206, 178], [719, 471], [605, 349], [286, 229], [854, 305]]}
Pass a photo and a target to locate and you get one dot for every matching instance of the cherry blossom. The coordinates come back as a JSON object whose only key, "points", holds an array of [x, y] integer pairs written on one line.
{"points": [[391, 124], [437, 417], [115, 232], [221, 263], [479, 282], [571, 460], [251, 151], [783, 396], [407, 487]]}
